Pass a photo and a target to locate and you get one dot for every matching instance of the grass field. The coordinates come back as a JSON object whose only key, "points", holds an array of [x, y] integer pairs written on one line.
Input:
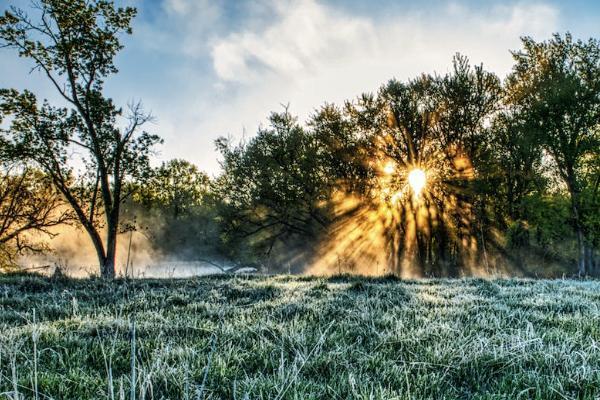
{"points": [[299, 338]]}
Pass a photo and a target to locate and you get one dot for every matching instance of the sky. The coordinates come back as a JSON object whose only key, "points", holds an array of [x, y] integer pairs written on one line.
{"points": [[209, 68]]}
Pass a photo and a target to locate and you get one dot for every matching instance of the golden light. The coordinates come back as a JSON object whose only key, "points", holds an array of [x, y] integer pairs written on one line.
{"points": [[396, 227], [417, 180], [389, 168]]}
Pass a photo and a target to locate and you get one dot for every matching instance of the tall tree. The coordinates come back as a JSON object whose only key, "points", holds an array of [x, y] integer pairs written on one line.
{"points": [[277, 188], [438, 124], [271, 185], [554, 85], [73, 43], [518, 156]]}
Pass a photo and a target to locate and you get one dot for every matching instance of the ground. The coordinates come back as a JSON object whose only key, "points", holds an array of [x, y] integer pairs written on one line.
{"points": [[281, 337]]}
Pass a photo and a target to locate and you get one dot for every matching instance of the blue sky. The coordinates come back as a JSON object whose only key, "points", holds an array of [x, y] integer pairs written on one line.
{"points": [[208, 68]]}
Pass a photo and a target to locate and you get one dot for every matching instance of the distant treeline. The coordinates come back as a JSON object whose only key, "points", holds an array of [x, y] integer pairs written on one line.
{"points": [[512, 167]]}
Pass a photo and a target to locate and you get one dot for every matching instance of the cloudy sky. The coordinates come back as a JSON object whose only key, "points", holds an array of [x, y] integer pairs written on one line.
{"points": [[209, 68]]}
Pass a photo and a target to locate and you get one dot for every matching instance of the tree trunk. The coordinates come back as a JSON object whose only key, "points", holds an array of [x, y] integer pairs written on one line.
{"points": [[103, 260], [589, 259], [106, 260], [442, 242], [581, 264], [98, 246], [594, 264], [575, 213], [108, 267]]}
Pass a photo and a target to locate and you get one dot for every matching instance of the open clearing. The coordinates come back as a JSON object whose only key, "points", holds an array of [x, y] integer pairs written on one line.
{"points": [[299, 338]]}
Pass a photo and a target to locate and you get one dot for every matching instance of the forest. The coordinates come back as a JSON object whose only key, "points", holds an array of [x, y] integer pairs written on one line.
{"points": [[451, 174]]}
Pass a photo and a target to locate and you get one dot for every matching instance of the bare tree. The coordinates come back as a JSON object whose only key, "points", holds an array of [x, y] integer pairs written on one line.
{"points": [[29, 204]]}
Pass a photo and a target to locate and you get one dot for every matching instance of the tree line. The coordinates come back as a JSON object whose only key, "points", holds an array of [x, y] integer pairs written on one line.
{"points": [[512, 166]]}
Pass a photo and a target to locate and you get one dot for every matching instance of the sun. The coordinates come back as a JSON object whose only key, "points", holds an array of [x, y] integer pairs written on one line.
{"points": [[417, 180]]}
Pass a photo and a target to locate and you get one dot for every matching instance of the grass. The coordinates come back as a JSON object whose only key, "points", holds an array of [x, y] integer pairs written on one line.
{"points": [[299, 338]]}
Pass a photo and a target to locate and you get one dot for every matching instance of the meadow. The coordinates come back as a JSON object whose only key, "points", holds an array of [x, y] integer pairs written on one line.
{"points": [[290, 337]]}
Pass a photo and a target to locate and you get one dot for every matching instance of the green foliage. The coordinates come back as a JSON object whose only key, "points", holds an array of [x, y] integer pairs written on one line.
{"points": [[590, 198], [176, 210], [278, 186], [517, 163], [517, 235], [513, 166], [554, 89], [286, 184], [85, 31], [498, 159], [176, 186], [547, 215]]}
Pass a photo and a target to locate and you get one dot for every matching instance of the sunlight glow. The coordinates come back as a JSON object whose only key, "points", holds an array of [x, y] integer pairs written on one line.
{"points": [[389, 168], [409, 207], [417, 180]]}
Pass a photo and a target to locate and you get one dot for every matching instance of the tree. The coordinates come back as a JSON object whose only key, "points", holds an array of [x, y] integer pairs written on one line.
{"points": [[271, 185], [177, 202], [438, 124], [73, 43], [176, 185], [277, 188], [554, 85], [29, 204], [591, 213], [518, 156]]}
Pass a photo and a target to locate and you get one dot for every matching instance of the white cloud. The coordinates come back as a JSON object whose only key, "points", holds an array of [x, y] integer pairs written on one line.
{"points": [[303, 37], [307, 39], [228, 68], [208, 68]]}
